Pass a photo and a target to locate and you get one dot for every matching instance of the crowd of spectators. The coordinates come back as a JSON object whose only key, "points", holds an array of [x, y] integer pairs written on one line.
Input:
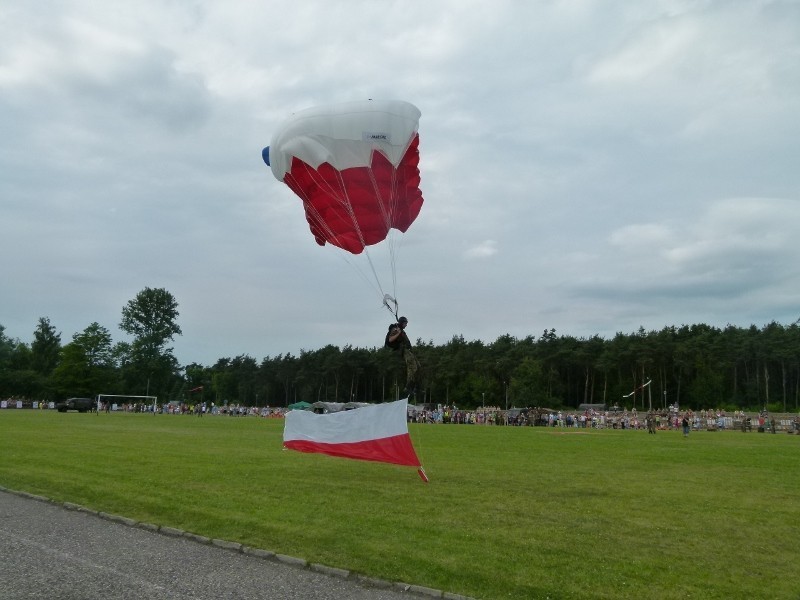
{"points": [[230, 410], [654, 420], [670, 418]]}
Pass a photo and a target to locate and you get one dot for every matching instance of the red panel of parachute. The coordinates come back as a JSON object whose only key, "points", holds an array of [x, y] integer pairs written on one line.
{"points": [[356, 207]]}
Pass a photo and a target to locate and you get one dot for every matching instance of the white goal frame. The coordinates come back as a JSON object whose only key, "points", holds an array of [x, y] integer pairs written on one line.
{"points": [[99, 396]]}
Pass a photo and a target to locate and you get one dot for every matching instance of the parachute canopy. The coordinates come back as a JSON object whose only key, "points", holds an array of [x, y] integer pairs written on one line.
{"points": [[354, 166]]}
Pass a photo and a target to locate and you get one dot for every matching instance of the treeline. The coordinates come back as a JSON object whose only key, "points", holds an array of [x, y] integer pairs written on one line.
{"points": [[697, 366]]}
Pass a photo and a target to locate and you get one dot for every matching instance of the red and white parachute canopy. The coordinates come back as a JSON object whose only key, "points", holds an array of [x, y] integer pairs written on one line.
{"points": [[354, 166]]}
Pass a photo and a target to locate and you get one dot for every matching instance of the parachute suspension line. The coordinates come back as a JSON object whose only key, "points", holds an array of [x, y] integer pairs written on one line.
{"points": [[388, 204], [388, 207], [348, 206], [317, 221], [394, 203]]}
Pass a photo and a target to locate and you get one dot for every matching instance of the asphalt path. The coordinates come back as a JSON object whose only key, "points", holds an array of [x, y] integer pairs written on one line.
{"points": [[49, 552]]}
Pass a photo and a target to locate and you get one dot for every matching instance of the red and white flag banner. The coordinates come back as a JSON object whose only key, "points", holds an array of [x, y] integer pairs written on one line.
{"points": [[378, 432]]}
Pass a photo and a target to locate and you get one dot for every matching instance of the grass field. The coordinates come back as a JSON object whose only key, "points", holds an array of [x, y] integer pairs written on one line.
{"points": [[510, 512]]}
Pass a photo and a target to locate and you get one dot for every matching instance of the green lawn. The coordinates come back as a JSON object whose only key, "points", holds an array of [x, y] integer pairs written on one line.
{"points": [[509, 513]]}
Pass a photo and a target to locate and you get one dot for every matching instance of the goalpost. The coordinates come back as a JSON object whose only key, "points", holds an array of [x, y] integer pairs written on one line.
{"points": [[100, 396]]}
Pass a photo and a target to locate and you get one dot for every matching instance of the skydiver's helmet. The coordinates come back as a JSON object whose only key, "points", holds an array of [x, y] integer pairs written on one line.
{"points": [[402, 320]]}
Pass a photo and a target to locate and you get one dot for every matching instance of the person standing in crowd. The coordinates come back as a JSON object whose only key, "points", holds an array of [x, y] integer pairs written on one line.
{"points": [[651, 422]]}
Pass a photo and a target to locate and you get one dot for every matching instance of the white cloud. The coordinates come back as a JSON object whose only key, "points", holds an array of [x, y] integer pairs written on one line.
{"points": [[660, 46], [485, 249]]}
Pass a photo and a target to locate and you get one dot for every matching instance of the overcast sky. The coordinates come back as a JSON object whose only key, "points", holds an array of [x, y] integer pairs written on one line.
{"points": [[591, 167]]}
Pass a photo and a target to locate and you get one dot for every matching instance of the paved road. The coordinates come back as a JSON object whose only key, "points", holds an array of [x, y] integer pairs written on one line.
{"points": [[48, 552]]}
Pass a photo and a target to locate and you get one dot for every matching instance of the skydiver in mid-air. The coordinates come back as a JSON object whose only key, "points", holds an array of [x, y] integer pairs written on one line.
{"points": [[397, 339]]}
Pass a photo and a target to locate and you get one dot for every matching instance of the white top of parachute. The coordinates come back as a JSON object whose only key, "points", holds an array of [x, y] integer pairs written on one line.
{"points": [[344, 135]]}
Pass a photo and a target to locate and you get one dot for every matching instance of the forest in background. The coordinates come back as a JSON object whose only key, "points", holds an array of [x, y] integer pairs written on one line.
{"points": [[696, 366]]}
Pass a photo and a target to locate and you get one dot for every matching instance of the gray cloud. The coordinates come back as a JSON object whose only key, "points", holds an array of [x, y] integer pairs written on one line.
{"points": [[591, 167]]}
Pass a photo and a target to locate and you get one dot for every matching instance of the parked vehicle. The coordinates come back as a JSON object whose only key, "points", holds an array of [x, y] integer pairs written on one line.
{"points": [[79, 404]]}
